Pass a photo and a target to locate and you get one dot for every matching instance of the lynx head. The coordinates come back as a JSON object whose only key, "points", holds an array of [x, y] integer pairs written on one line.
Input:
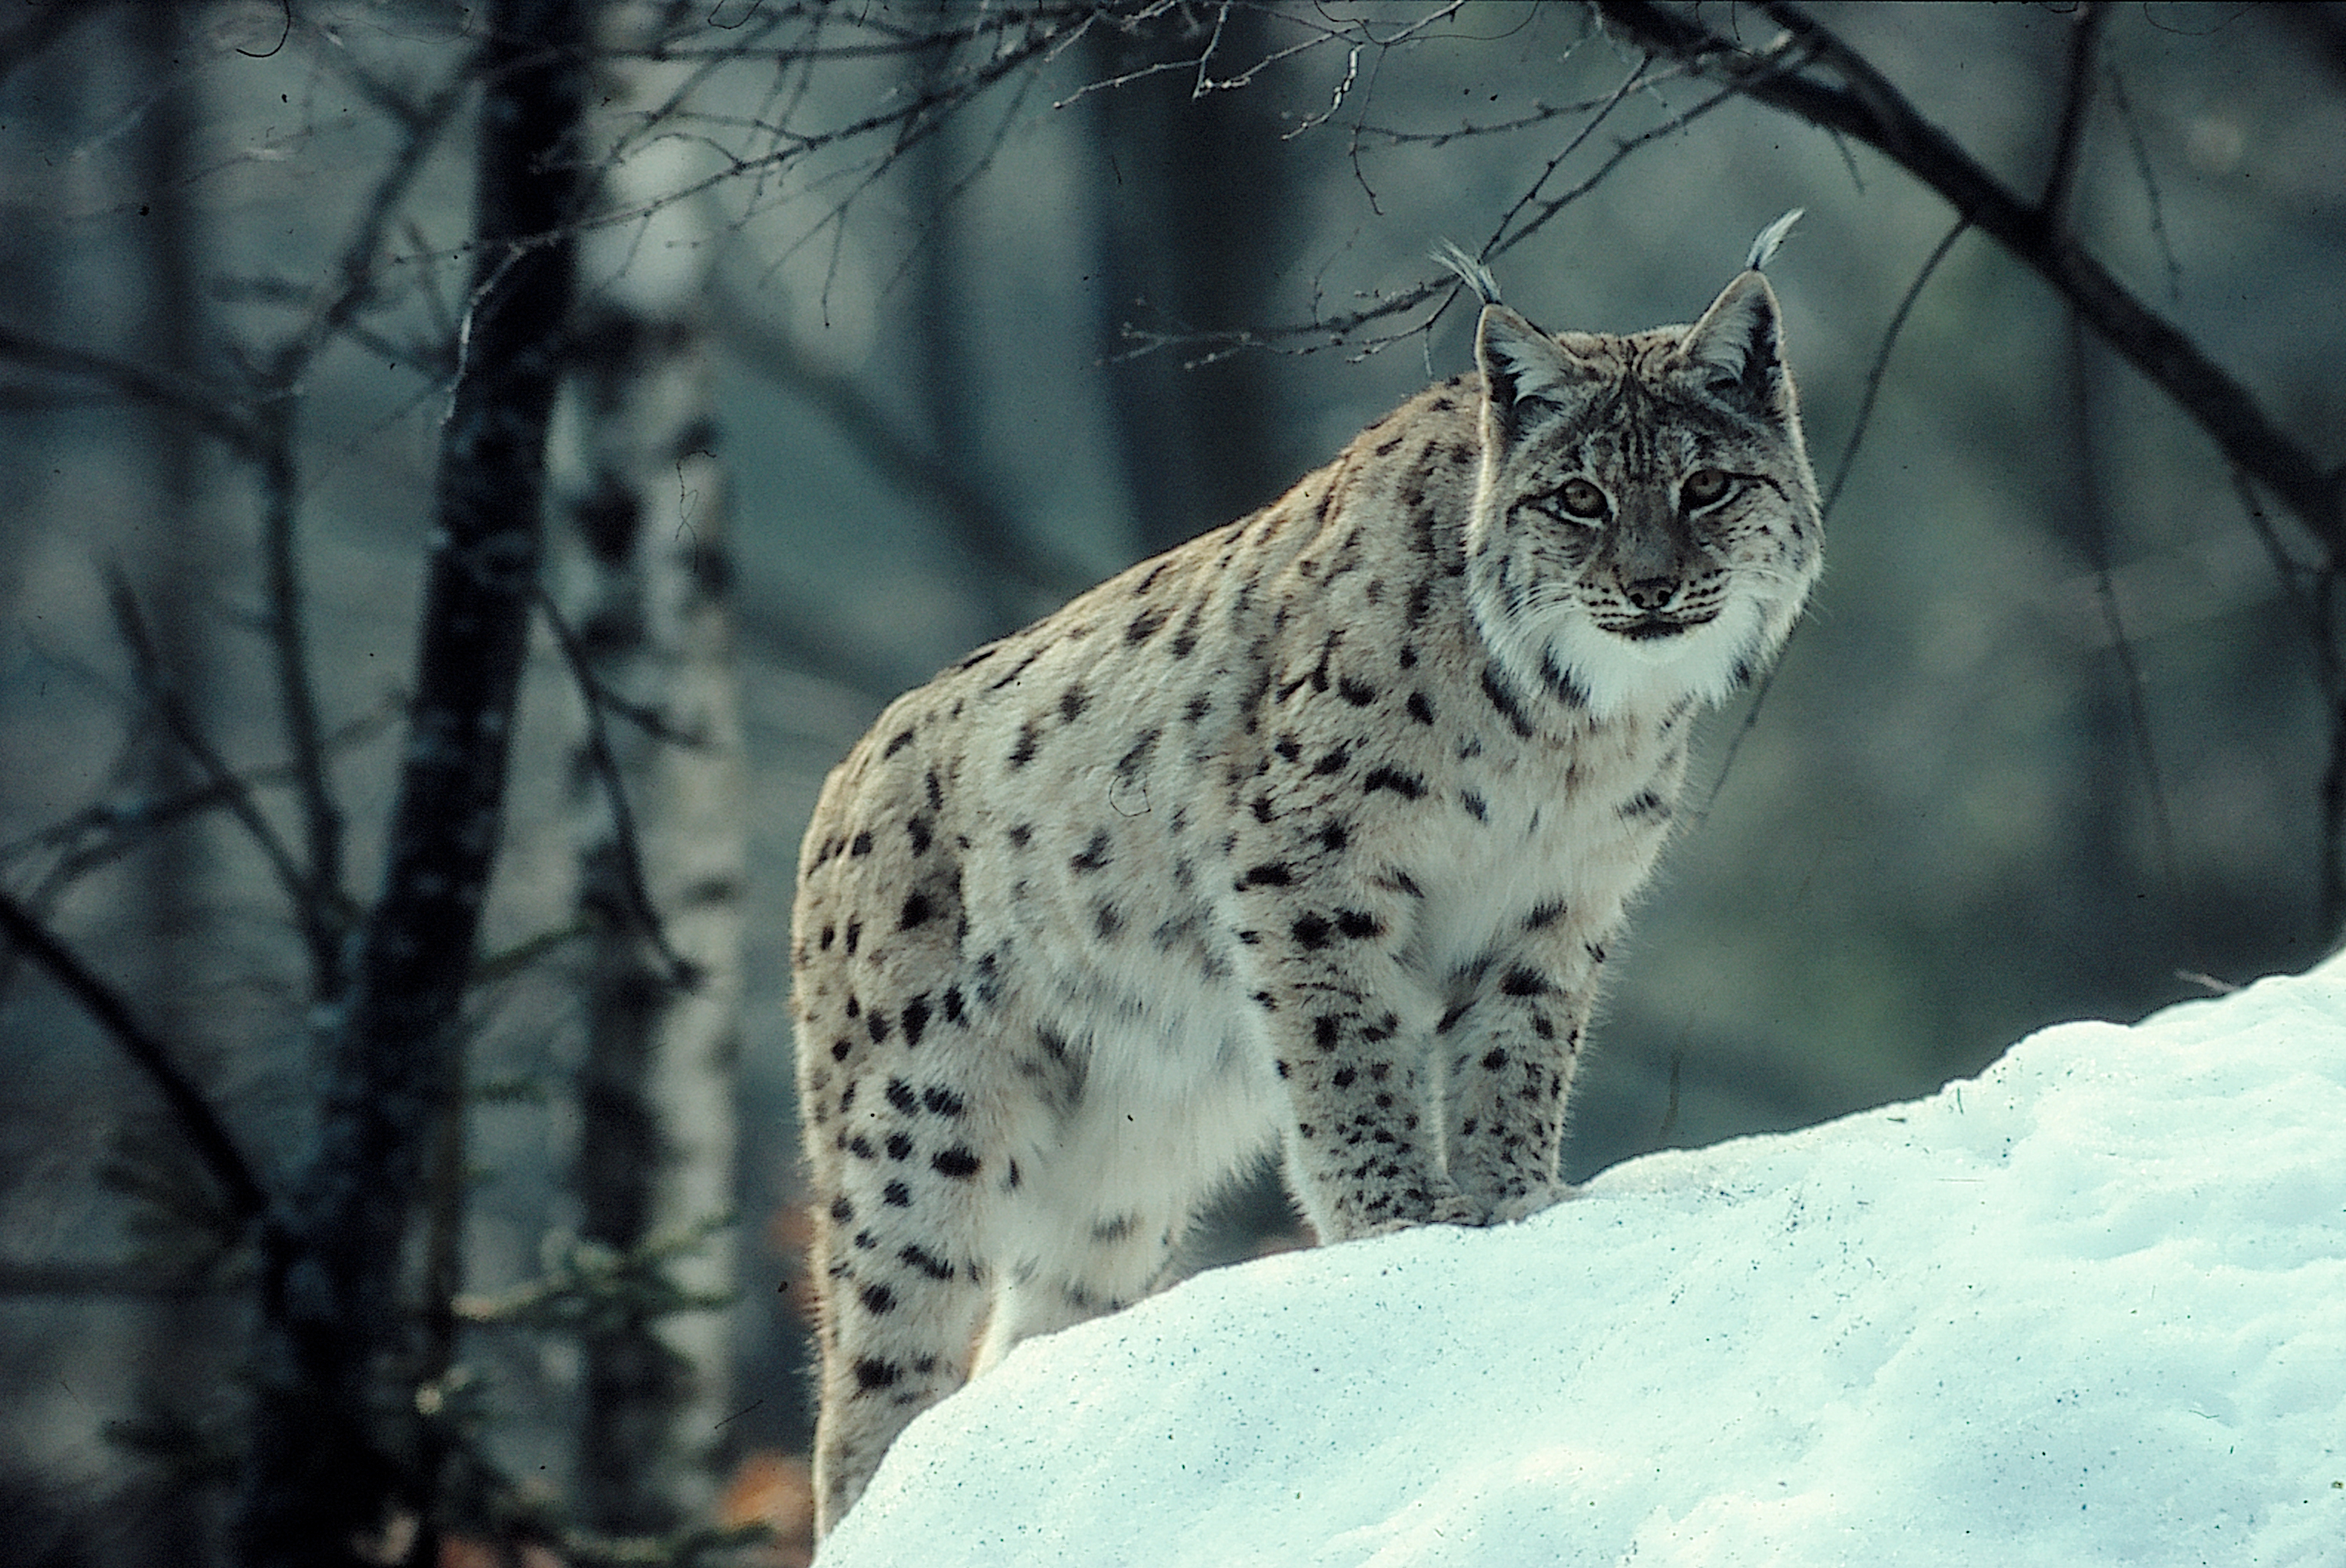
{"points": [[1647, 525]]}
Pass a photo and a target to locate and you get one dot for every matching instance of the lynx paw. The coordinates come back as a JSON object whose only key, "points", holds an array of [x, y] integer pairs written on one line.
{"points": [[1508, 1211]]}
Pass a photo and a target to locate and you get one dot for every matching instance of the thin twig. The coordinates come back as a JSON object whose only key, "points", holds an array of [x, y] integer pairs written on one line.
{"points": [[1881, 365], [2076, 100], [196, 1117], [1869, 108], [2097, 554], [682, 972], [1847, 465], [322, 919], [210, 408]]}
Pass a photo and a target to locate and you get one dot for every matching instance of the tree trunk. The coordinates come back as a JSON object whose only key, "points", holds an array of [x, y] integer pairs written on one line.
{"points": [[659, 803], [333, 1408], [1191, 232]]}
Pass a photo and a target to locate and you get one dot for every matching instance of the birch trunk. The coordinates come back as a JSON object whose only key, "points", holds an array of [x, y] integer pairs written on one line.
{"points": [[645, 592]]}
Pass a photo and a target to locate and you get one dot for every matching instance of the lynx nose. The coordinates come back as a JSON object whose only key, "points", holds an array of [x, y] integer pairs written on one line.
{"points": [[1650, 593]]}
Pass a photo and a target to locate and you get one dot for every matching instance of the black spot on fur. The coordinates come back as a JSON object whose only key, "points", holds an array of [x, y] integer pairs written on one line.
{"points": [[1023, 752], [953, 1013], [1494, 1060], [901, 1095], [1544, 914], [877, 1299], [941, 1101], [872, 1373], [1325, 1032], [1521, 981], [915, 1019], [917, 829], [900, 1148], [1142, 745], [860, 845], [901, 741], [1095, 854], [1419, 708], [928, 1263], [1271, 874], [1016, 670], [1359, 693], [1503, 698], [1310, 932], [1072, 702], [1408, 785], [956, 1162], [1358, 923], [1144, 626], [918, 910]]}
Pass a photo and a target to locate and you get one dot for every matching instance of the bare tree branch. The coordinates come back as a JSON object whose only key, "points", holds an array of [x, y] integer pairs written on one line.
{"points": [[190, 1110], [322, 920], [208, 408], [2077, 103], [979, 520], [1867, 106], [682, 972]]}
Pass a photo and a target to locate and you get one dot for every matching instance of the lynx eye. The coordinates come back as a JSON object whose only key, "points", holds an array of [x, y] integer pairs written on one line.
{"points": [[1581, 499], [1704, 486]]}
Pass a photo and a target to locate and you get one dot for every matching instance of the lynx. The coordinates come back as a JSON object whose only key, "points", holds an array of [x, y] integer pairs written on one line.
{"points": [[1306, 837]]}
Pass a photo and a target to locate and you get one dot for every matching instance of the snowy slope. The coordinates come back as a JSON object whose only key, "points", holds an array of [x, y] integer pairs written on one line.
{"points": [[2088, 1308]]}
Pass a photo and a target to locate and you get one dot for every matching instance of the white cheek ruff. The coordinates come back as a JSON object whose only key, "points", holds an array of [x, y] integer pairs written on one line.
{"points": [[1558, 648], [1619, 674]]}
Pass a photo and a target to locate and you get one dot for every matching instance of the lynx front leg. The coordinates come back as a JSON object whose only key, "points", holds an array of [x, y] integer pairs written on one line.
{"points": [[1510, 1050], [1346, 1024]]}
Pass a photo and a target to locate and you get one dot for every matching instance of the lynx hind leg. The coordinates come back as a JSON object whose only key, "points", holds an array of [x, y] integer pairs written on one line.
{"points": [[903, 1304], [1096, 1262]]}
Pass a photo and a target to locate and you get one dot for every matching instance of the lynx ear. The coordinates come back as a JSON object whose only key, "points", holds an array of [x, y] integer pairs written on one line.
{"points": [[1735, 352], [1521, 364]]}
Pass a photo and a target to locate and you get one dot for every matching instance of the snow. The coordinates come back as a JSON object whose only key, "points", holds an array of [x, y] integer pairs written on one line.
{"points": [[2088, 1308]]}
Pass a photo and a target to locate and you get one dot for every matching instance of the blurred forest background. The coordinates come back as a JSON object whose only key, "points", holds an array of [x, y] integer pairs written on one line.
{"points": [[893, 326]]}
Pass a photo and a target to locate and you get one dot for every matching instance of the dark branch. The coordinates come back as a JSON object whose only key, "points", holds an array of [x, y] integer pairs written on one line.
{"points": [[201, 1124], [644, 915], [322, 1471], [2076, 101], [206, 407], [1869, 109], [987, 527]]}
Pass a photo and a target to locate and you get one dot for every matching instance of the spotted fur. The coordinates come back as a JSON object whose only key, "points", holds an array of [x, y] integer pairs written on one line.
{"points": [[1305, 837]]}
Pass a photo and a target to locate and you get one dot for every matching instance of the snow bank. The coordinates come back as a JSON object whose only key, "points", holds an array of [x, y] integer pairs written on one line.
{"points": [[2088, 1308]]}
